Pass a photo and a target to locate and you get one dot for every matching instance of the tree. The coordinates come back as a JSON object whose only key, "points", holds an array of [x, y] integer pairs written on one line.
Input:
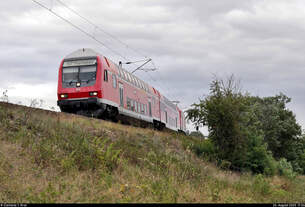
{"points": [[235, 127], [279, 125], [223, 111]]}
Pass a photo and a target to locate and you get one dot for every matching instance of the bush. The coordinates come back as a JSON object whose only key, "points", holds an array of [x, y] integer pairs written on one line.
{"points": [[261, 185], [259, 159], [285, 169], [225, 165], [204, 149]]}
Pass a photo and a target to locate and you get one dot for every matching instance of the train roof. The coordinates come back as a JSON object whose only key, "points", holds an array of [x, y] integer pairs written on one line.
{"points": [[85, 52]]}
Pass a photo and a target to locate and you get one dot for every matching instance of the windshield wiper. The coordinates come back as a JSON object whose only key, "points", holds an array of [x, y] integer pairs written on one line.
{"points": [[87, 81], [72, 81]]}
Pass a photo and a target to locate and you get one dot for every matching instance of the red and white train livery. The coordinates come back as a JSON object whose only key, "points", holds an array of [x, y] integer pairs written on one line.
{"points": [[92, 85]]}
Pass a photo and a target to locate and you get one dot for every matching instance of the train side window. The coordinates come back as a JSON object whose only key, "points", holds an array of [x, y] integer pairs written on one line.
{"points": [[125, 75], [132, 107], [133, 80], [129, 78], [136, 106], [106, 75], [114, 80], [121, 94], [145, 109], [137, 83], [139, 108], [128, 103], [166, 116], [149, 109]]}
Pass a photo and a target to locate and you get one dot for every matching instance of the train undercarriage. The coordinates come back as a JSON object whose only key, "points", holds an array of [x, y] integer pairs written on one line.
{"points": [[93, 108], [90, 107]]}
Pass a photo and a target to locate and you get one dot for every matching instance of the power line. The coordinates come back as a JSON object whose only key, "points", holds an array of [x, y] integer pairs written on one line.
{"points": [[80, 29], [159, 87], [173, 97], [100, 42], [97, 27]]}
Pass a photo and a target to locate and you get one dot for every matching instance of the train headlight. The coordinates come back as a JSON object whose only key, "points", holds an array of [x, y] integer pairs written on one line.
{"points": [[78, 84], [63, 95], [93, 93]]}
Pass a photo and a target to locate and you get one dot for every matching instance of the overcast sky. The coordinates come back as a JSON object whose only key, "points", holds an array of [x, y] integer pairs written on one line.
{"points": [[262, 42]]}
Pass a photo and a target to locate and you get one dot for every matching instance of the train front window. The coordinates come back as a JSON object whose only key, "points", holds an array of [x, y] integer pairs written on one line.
{"points": [[87, 73], [79, 71], [70, 74]]}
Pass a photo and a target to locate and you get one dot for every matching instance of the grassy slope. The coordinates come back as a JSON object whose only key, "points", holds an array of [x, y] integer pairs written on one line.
{"points": [[53, 157]]}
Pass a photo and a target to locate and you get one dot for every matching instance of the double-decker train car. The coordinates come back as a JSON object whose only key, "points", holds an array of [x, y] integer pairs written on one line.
{"points": [[90, 84]]}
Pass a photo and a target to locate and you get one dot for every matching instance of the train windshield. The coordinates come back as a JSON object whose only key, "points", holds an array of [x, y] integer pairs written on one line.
{"points": [[87, 73], [77, 72], [70, 74]]}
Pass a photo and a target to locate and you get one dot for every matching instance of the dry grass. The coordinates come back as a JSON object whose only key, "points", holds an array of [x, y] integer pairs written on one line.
{"points": [[55, 157]]}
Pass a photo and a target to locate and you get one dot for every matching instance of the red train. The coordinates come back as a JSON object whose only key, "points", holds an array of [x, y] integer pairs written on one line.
{"points": [[92, 85]]}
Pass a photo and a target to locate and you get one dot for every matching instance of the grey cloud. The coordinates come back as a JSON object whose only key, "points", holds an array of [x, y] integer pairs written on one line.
{"points": [[261, 42]]}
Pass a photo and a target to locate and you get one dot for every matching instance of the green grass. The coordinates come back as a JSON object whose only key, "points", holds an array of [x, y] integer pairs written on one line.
{"points": [[51, 157]]}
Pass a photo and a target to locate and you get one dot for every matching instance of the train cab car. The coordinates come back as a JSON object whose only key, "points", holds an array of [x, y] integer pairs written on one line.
{"points": [[92, 85], [79, 83]]}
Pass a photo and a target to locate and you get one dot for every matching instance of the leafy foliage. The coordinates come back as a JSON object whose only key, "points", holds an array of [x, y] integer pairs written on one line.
{"points": [[249, 132], [285, 168], [278, 124]]}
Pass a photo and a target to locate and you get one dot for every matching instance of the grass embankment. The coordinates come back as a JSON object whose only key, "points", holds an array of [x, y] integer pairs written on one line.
{"points": [[56, 157]]}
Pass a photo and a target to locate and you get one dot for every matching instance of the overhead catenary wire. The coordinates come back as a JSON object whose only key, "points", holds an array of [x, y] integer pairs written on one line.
{"points": [[102, 43], [80, 29], [172, 96], [102, 30], [96, 27], [158, 86]]}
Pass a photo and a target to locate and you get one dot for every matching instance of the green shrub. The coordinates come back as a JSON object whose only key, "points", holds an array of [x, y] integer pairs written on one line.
{"points": [[261, 185], [259, 159], [225, 165], [107, 156], [301, 162], [204, 149], [285, 169]]}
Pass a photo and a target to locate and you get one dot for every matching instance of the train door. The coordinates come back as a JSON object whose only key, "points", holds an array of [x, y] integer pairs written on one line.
{"points": [[149, 108], [121, 94]]}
